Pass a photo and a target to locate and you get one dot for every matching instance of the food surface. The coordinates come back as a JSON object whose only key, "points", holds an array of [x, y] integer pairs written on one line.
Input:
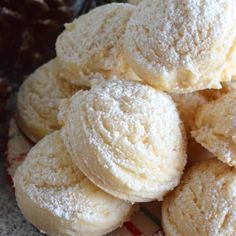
{"points": [[215, 128], [125, 137], [137, 98], [58, 199], [39, 98], [94, 43], [188, 105], [182, 46], [203, 203]]}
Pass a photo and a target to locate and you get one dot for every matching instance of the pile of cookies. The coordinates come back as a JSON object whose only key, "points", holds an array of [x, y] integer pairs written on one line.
{"points": [[119, 115]]}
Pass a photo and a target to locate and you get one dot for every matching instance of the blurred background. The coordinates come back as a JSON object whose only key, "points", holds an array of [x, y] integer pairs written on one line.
{"points": [[28, 32]]}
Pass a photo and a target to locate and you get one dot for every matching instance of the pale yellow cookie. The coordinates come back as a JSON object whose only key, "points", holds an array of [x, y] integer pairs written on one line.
{"points": [[126, 137], [204, 204], [215, 128], [187, 105], [94, 43], [184, 45], [58, 199], [38, 100]]}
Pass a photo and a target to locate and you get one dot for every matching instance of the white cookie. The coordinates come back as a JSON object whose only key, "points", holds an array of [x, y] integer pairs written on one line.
{"points": [[126, 137], [93, 43], [58, 199], [204, 203], [215, 128], [184, 45], [38, 100]]}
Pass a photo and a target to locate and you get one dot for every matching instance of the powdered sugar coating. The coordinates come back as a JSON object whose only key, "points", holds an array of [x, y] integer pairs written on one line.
{"points": [[48, 180], [94, 42], [38, 100], [204, 203], [131, 141], [183, 46], [215, 126]]}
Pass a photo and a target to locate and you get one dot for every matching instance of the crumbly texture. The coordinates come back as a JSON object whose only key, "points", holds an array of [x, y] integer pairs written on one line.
{"points": [[187, 105], [204, 203], [215, 128], [58, 199], [125, 137], [94, 43], [184, 45], [228, 86], [38, 100]]}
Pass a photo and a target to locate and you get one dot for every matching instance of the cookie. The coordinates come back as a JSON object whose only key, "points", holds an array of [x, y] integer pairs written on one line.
{"points": [[126, 137], [187, 105], [182, 46], [204, 203], [215, 128], [58, 199], [38, 100], [93, 43]]}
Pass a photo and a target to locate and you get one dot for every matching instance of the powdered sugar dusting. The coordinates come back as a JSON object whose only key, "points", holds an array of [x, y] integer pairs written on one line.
{"points": [[174, 33], [94, 42], [208, 194], [189, 38], [215, 128], [39, 98], [49, 178], [127, 130]]}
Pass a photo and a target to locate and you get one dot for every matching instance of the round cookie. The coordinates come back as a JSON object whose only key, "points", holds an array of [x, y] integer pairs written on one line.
{"points": [[38, 100], [58, 199], [182, 46], [215, 128], [204, 203], [131, 140], [93, 43]]}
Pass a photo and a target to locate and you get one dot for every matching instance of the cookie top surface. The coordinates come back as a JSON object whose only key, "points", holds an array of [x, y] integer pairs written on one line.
{"points": [[38, 100], [215, 127], [182, 46], [131, 134], [204, 202], [94, 42], [51, 181]]}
